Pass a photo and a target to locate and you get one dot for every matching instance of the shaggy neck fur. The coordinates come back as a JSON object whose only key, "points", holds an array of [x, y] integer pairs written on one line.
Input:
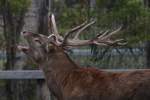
{"points": [[56, 67]]}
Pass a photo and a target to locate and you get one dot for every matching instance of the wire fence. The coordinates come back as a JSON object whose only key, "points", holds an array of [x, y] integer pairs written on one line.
{"points": [[109, 15]]}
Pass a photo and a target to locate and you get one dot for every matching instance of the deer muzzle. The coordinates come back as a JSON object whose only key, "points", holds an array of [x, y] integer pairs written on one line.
{"points": [[26, 34]]}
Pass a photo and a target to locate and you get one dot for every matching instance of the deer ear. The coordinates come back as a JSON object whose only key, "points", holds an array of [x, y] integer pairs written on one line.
{"points": [[51, 47], [52, 39]]}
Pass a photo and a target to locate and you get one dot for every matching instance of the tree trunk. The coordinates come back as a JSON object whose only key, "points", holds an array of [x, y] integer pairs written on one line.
{"points": [[12, 30], [147, 3], [43, 17], [147, 44], [147, 50], [10, 44], [92, 4]]}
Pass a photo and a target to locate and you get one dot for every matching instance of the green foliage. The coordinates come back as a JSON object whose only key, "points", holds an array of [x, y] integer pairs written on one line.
{"points": [[70, 17], [131, 14], [17, 6]]}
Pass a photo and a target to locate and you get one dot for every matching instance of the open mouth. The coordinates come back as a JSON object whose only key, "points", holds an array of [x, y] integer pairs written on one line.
{"points": [[25, 49], [26, 35]]}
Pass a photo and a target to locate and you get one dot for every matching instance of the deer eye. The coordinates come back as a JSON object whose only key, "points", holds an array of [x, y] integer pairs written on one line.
{"points": [[37, 40], [35, 35]]}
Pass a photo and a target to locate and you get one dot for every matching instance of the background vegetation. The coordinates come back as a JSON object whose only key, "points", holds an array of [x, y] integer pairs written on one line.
{"points": [[132, 15]]}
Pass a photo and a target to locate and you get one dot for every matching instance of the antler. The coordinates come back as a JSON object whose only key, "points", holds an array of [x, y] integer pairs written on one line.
{"points": [[80, 28], [67, 34], [105, 39], [101, 39], [54, 28]]}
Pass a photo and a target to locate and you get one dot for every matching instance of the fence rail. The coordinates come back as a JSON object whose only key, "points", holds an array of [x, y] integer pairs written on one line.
{"points": [[38, 74], [43, 91], [21, 74]]}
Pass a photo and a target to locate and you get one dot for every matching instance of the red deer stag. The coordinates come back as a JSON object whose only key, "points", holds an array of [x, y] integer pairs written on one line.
{"points": [[68, 81]]}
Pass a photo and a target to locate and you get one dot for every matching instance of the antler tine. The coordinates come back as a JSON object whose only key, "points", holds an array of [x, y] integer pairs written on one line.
{"points": [[120, 42], [102, 35], [101, 40], [86, 26], [55, 31], [81, 27], [67, 34], [105, 39], [54, 25], [110, 34]]}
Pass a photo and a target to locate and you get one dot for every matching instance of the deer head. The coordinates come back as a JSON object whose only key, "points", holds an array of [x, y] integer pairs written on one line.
{"points": [[36, 50], [40, 45]]}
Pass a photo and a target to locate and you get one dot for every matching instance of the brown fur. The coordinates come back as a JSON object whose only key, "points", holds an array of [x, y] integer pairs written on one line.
{"points": [[101, 85], [68, 81], [79, 83]]}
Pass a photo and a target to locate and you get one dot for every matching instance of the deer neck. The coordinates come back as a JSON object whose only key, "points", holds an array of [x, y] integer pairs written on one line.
{"points": [[56, 68], [59, 62]]}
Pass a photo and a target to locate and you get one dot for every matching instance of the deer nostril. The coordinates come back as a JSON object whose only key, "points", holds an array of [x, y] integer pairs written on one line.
{"points": [[23, 33]]}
